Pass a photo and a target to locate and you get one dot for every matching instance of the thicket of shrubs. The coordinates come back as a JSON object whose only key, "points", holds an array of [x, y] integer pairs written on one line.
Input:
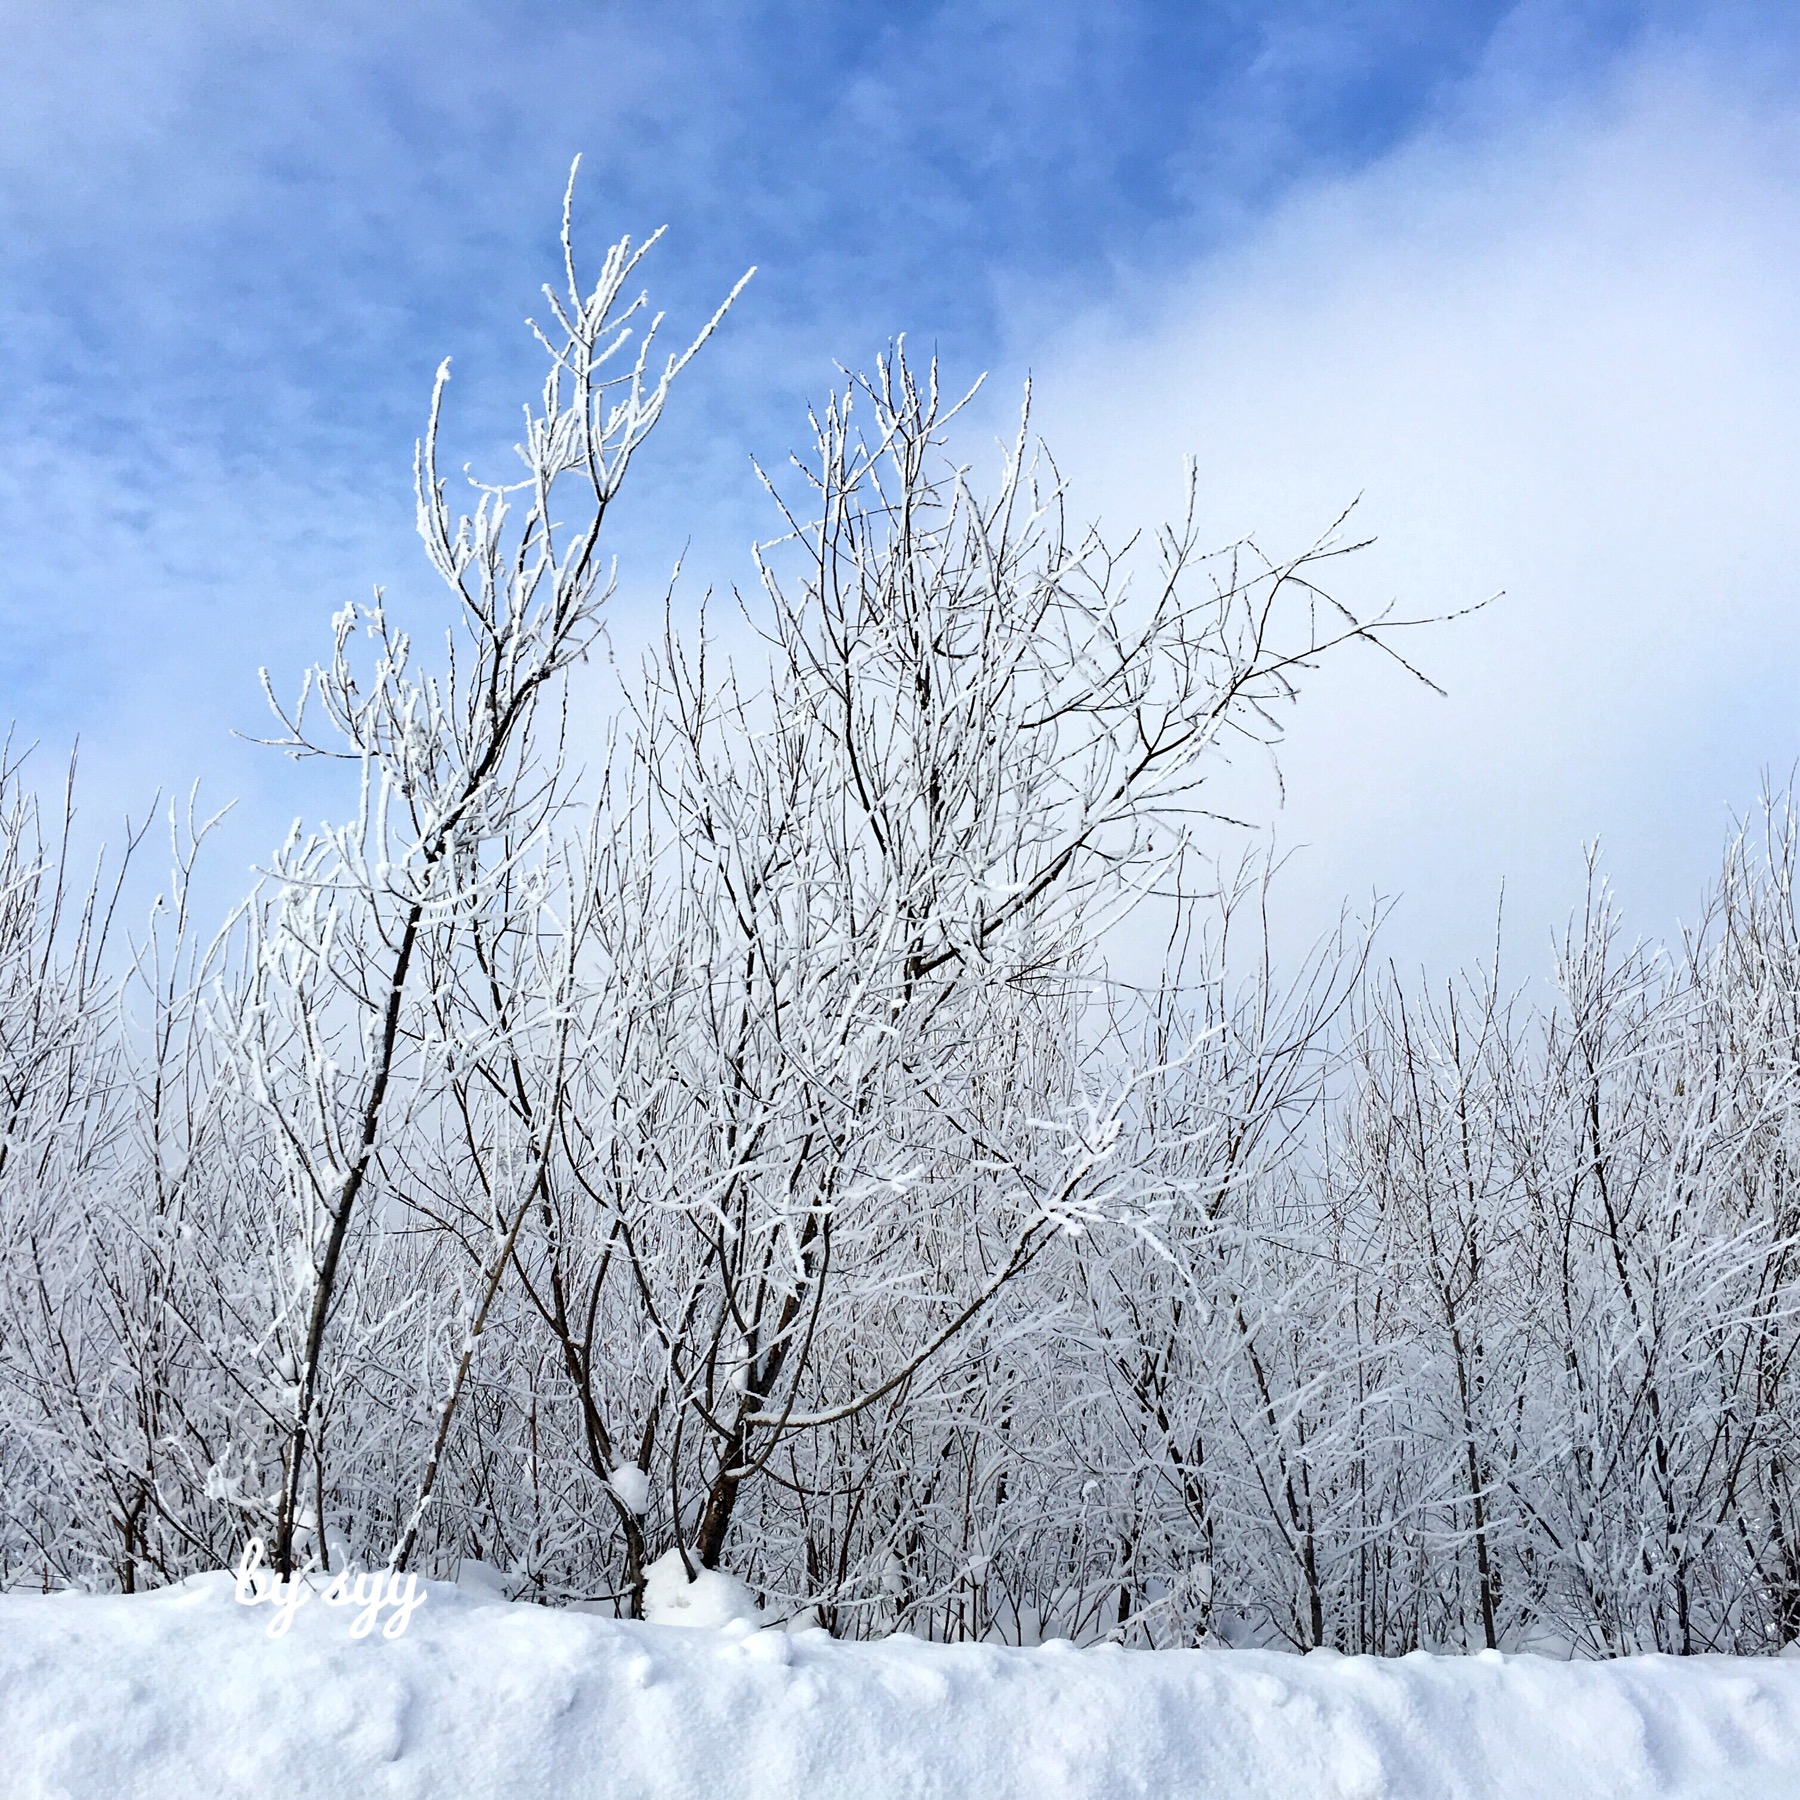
{"points": [[743, 1151]]}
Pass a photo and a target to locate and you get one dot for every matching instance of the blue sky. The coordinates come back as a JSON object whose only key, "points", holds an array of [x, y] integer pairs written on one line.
{"points": [[1514, 272]]}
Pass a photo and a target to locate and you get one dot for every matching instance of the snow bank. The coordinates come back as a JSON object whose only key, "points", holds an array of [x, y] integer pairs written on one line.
{"points": [[180, 1692]]}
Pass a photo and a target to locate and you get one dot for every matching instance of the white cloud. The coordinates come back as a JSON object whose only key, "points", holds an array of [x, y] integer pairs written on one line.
{"points": [[1556, 354]]}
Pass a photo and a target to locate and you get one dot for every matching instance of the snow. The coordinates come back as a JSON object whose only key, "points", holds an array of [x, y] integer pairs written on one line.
{"points": [[181, 1692], [632, 1486], [487, 1580], [709, 1598]]}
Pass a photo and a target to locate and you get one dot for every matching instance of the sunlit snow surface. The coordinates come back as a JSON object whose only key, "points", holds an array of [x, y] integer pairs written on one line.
{"points": [[181, 1693]]}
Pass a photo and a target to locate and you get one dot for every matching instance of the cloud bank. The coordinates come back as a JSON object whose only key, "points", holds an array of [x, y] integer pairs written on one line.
{"points": [[1519, 275], [1553, 348]]}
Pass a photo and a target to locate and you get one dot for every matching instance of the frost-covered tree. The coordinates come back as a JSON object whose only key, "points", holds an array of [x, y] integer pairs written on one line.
{"points": [[752, 1157]]}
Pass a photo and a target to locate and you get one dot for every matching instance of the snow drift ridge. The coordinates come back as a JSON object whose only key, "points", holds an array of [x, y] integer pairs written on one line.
{"points": [[180, 1692]]}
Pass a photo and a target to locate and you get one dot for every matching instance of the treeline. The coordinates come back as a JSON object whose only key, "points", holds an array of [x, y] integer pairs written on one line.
{"points": [[742, 1153]]}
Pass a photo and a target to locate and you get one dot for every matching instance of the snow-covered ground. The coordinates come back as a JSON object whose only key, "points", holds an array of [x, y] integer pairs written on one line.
{"points": [[182, 1693]]}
